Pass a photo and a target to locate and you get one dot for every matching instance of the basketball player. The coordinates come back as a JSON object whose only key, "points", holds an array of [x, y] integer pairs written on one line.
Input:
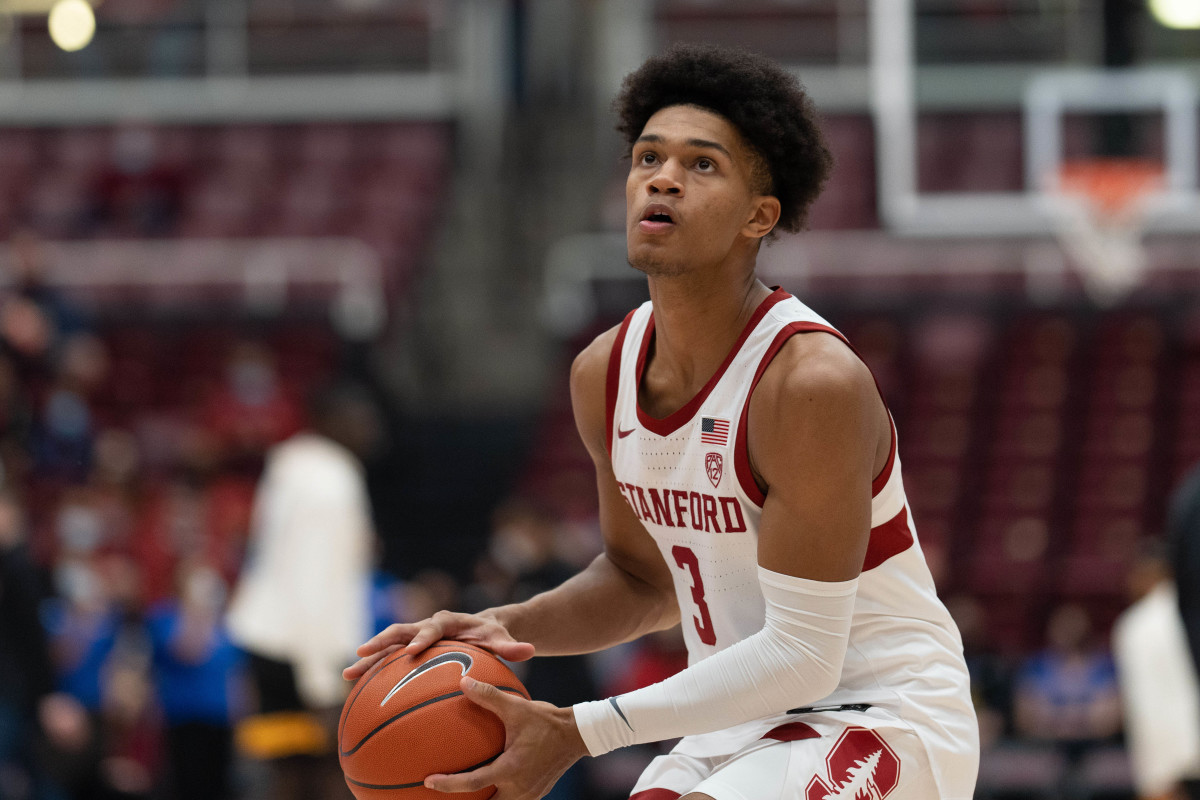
{"points": [[749, 489]]}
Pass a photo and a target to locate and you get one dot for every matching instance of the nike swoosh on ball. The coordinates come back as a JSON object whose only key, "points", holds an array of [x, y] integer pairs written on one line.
{"points": [[462, 659]]}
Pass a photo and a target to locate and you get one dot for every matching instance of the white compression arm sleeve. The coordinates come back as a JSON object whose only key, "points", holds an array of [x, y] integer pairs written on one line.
{"points": [[796, 659]]}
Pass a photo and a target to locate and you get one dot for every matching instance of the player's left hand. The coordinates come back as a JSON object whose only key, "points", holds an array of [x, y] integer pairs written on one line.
{"points": [[541, 743]]}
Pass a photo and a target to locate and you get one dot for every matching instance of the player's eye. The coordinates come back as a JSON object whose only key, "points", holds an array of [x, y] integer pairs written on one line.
{"points": [[705, 165], [647, 158]]}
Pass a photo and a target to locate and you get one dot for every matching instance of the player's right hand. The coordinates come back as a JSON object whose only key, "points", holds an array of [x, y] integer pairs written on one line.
{"points": [[482, 630]]}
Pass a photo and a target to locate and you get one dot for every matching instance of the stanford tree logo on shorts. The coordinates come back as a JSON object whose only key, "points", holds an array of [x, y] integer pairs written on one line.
{"points": [[714, 465], [861, 766]]}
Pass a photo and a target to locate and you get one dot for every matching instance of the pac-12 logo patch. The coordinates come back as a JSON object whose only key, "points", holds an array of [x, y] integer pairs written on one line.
{"points": [[860, 766], [715, 465]]}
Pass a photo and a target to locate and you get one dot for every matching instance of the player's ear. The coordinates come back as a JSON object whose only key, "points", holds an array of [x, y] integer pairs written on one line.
{"points": [[765, 214]]}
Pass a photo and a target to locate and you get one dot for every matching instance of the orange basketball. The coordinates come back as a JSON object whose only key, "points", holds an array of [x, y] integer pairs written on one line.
{"points": [[407, 718]]}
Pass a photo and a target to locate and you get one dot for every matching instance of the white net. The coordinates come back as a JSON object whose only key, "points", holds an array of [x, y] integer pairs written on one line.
{"points": [[1099, 210]]}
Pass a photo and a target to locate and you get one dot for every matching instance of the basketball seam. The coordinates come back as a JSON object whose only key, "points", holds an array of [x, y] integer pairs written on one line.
{"points": [[409, 710], [358, 690]]}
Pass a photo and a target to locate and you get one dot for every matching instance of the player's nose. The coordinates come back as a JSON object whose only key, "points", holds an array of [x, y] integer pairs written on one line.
{"points": [[665, 180]]}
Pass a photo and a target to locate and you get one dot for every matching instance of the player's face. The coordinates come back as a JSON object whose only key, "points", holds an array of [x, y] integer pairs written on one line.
{"points": [[689, 196]]}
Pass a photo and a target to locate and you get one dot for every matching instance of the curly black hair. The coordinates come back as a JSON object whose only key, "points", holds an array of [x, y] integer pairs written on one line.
{"points": [[762, 100]]}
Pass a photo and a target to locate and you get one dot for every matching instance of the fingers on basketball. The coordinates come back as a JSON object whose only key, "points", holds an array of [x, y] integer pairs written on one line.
{"points": [[488, 696], [360, 667], [475, 781], [513, 650]]}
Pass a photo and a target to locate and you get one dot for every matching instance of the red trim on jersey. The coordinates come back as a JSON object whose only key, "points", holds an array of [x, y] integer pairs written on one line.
{"points": [[741, 450], [655, 794], [613, 382], [889, 539], [792, 732], [673, 422], [886, 473]]}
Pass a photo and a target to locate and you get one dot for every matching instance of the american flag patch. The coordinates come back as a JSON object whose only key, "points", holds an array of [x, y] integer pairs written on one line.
{"points": [[714, 431]]}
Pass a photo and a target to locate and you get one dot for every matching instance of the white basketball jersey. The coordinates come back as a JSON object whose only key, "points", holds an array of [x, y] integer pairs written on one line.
{"points": [[688, 478]]}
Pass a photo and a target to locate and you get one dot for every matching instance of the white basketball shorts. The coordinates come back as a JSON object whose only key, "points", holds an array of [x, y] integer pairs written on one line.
{"points": [[825, 760]]}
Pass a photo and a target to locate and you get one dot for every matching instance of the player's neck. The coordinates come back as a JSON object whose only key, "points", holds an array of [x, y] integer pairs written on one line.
{"points": [[696, 322]]}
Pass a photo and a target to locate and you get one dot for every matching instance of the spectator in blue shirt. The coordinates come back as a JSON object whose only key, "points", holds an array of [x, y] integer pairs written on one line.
{"points": [[1068, 693], [197, 670]]}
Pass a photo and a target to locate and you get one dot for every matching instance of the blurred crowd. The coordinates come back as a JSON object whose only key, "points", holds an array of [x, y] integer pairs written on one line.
{"points": [[1096, 712], [1051, 719], [127, 534], [119, 538]]}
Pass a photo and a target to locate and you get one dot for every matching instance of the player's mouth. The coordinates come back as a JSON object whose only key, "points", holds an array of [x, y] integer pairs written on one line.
{"points": [[657, 218]]}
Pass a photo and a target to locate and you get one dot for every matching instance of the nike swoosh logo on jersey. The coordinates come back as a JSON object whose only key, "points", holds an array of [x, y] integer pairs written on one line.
{"points": [[462, 659], [622, 434]]}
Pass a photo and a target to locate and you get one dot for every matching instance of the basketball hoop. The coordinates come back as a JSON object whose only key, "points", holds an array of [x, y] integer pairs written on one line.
{"points": [[1100, 206]]}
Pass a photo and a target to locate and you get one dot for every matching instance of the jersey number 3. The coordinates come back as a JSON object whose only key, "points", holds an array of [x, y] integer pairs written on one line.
{"points": [[686, 559]]}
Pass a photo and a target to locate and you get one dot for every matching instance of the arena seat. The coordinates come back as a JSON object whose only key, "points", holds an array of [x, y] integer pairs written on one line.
{"points": [[382, 182]]}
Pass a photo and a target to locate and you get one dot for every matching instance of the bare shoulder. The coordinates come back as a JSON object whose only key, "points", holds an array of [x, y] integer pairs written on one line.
{"points": [[817, 368], [589, 376], [816, 405], [589, 370]]}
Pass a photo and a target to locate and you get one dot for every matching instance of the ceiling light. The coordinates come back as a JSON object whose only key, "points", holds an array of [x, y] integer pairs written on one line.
{"points": [[72, 24], [1178, 14]]}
